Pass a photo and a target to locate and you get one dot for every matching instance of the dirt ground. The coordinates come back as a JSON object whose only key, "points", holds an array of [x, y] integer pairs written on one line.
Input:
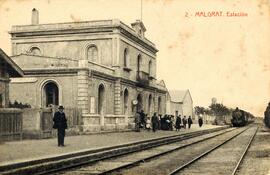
{"points": [[257, 160]]}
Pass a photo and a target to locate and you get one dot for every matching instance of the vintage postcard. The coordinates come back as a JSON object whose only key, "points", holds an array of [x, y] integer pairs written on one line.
{"points": [[134, 87]]}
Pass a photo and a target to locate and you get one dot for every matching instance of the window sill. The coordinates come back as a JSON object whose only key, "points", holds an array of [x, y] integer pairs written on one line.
{"points": [[127, 69], [151, 77]]}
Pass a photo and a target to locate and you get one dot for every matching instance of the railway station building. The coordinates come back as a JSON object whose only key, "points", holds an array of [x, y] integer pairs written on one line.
{"points": [[105, 69]]}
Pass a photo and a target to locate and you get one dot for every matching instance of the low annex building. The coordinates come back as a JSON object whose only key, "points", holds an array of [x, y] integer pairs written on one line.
{"points": [[104, 68], [179, 102], [8, 69]]}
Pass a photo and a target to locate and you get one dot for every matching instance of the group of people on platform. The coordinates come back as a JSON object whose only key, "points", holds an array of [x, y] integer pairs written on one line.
{"points": [[166, 122]]}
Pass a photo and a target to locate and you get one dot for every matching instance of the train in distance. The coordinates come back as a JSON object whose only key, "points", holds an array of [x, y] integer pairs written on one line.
{"points": [[241, 118]]}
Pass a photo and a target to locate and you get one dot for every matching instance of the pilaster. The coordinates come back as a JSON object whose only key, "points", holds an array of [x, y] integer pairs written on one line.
{"points": [[117, 98], [83, 97]]}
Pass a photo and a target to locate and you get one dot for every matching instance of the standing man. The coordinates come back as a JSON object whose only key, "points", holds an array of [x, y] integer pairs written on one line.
{"points": [[154, 122], [189, 122], [60, 123], [178, 123], [143, 122]]}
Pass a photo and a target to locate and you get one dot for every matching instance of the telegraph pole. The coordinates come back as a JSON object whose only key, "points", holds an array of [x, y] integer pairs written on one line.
{"points": [[141, 10]]}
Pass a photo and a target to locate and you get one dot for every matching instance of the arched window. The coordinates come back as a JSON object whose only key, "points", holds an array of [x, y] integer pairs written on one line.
{"points": [[125, 101], [126, 58], [92, 53], [51, 94], [35, 51], [139, 104], [101, 98], [150, 68], [150, 99], [139, 59]]}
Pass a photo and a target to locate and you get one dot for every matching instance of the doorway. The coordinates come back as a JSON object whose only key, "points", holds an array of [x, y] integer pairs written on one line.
{"points": [[101, 97], [139, 105]]}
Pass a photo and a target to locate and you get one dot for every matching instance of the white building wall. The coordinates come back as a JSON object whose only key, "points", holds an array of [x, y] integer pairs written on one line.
{"points": [[187, 106]]}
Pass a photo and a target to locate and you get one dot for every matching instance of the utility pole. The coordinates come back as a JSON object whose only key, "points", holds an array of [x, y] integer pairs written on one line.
{"points": [[141, 10]]}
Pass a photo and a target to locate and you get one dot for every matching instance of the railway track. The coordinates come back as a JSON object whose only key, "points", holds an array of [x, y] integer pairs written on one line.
{"points": [[180, 158], [125, 161], [236, 146], [185, 154], [65, 162]]}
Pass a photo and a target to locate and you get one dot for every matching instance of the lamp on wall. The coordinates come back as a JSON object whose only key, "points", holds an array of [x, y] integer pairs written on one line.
{"points": [[134, 102]]}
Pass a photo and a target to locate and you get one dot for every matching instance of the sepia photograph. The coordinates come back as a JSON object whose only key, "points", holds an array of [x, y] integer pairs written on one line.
{"points": [[135, 87]]}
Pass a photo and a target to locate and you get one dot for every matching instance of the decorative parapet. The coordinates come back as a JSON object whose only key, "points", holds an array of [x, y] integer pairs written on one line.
{"points": [[61, 26], [77, 27]]}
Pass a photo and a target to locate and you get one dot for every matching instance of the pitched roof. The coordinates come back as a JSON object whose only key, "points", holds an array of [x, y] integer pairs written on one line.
{"points": [[161, 83], [13, 69], [178, 95]]}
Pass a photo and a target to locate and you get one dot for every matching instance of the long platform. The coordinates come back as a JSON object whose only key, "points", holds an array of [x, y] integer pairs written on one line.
{"points": [[14, 152]]}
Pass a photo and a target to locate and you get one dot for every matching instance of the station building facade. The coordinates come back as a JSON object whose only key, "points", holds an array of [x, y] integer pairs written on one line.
{"points": [[104, 68]]}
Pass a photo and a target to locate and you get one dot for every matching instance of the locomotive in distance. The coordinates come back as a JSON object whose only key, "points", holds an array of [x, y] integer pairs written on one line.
{"points": [[241, 118]]}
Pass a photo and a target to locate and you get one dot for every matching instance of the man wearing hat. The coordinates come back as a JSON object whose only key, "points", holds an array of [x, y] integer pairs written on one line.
{"points": [[60, 123]]}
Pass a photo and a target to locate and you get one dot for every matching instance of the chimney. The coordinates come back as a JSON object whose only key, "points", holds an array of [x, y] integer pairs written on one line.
{"points": [[35, 16]]}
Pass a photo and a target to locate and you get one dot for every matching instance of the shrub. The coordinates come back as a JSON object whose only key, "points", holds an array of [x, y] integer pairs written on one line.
{"points": [[20, 105]]}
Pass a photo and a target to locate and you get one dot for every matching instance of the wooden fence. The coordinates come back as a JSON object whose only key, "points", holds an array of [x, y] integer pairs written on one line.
{"points": [[10, 124]]}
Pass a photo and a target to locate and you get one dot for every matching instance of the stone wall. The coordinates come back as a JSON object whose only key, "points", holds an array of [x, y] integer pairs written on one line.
{"points": [[174, 106], [33, 90], [31, 120], [133, 52], [109, 88], [187, 106], [74, 47]]}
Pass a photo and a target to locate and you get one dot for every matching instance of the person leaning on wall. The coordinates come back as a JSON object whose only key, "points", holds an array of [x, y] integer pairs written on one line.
{"points": [[60, 123]]}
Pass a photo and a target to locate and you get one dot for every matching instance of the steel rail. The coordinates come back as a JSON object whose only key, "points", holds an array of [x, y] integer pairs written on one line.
{"points": [[163, 141], [204, 154], [187, 136], [22, 167], [244, 153], [134, 163]]}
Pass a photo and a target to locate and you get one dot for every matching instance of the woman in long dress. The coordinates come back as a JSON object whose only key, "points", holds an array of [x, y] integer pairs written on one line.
{"points": [[178, 123]]}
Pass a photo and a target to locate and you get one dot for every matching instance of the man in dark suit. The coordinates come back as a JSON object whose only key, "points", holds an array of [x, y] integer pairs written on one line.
{"points": [[60, 123]]}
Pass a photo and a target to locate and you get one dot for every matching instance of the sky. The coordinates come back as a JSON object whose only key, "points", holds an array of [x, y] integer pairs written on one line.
{"points": [[221, 56]]}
